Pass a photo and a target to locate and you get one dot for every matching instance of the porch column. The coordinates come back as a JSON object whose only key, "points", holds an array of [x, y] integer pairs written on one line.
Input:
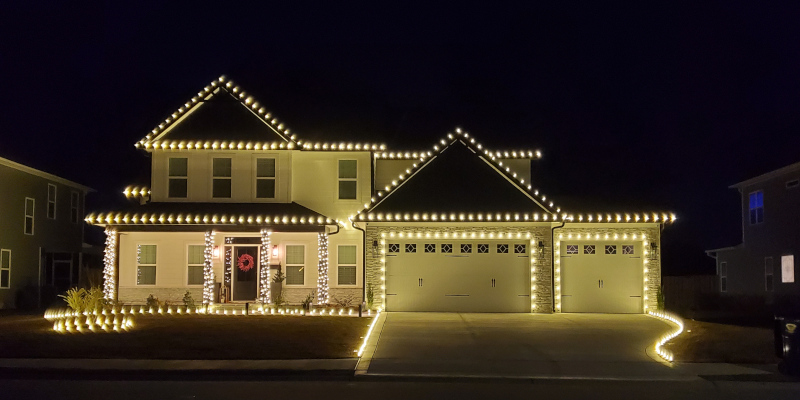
{"points": [[208, 269], [265, 296], [110, 265], [322, 268]]}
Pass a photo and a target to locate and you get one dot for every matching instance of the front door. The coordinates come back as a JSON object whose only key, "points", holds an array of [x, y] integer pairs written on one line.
{"points": [[245, 273]]}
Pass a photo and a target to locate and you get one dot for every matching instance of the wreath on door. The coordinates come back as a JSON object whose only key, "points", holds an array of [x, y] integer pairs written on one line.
{"points": [[246, 262]]}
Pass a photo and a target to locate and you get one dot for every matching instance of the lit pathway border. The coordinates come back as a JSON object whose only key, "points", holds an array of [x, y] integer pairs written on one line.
{"points": [[660, 350]]}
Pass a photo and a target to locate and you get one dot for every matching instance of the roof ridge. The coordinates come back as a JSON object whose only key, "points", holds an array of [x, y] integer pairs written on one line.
{"points": [[208, 92]]}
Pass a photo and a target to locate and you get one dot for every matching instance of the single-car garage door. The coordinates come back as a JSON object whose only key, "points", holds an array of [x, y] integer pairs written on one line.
{"points": [[601, 277], [458, 275]]}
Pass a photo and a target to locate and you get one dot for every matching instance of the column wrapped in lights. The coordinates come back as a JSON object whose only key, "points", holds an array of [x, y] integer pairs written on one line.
{"points": [[322, 268], [110, 264], [208, 269], [264, 289]]}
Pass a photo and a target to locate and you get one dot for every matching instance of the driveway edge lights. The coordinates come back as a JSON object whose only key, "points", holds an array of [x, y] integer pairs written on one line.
{"points": [[667, 317], [367, 349]]}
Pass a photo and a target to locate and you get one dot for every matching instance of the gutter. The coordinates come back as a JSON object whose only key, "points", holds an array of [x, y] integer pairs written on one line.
{"points": [[553, 262]]}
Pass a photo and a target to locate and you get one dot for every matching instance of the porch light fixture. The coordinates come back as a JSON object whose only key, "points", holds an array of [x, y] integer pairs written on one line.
{"points": [[541, 247], [275, 251], [216, 251]]}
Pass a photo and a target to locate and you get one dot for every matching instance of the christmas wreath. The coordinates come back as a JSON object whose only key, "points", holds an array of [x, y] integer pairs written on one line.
{"points": [[246, 262]]}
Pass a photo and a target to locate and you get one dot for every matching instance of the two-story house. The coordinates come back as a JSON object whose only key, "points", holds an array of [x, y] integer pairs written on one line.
{"points": [[763, 265], [41, 234], [235, 197]]}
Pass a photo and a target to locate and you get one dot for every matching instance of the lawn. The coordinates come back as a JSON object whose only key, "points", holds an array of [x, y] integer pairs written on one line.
{"points": [[716, 342], [189, 337]]}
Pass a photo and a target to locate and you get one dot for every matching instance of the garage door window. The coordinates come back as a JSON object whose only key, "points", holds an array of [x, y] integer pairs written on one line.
{"points": [[627, 249], [572, 249], [483, 248], [447, 248], [411, 248], [502, 249], [588, 249], [430, 248], [394, 248], [466, 248], [519, 248], [611, 249]]}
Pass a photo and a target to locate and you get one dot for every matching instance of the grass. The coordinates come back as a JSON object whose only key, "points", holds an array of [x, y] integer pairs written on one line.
{"points": [[189, 337], [716, 342]]}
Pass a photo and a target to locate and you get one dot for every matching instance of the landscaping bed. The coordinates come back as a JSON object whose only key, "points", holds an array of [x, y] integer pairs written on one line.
{"points": [[717, 342], [190, 337]]}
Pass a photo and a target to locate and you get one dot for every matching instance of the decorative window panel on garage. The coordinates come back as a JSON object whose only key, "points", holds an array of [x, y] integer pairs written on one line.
{"points": [[430, 248], [394, 248], [447, 248], [411, 248], [572, 249], [588, 249], [466, 248], [611, 249], [627, 249], [502, 248], [483, 248], [519, 248]]}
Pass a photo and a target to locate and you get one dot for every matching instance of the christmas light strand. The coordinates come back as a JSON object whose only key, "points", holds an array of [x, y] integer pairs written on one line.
{"points": [[265, 295], [110, 264], [208, 269], [322, 269]]}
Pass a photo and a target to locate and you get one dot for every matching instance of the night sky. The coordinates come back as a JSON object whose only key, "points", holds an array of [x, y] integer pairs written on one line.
{"points": [[636, 107]]}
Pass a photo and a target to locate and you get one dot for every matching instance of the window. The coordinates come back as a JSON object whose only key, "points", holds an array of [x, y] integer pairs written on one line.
{"points": [[74, 207], [466, 248], [51, 201], [769, 281], [411, 248], [502, 249], [756, 207], [611, 249], [723, 277], [627, 249], [787, 269], [146, 264], [30, 205], [793, 183], [483, 248], [347, 265], [430, 248], [295, 264], [588, 249], [394, 248], [572, 249], [195, 258], [5, 269], [265, 178], [447, 248], [221, 185], [348, 186], [519, 248], [178, 177]]}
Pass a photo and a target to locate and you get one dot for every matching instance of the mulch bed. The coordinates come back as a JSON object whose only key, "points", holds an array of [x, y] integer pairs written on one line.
{"points": [[189, 337], [715, 342]]}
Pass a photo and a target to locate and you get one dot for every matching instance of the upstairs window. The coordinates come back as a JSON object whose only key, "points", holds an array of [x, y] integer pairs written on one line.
{"points": [[265, 178], [178, 178], [348, 174], [51, 201], [74, 207], [756, 207], [221, 186], [30, 204], [5, 269]]}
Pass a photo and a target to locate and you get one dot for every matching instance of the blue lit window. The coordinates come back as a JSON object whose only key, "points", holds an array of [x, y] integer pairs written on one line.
{"points": [[756, 207]]}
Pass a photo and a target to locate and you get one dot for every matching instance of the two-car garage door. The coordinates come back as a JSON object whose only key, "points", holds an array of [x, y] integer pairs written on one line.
{"points": [[458, 275]]}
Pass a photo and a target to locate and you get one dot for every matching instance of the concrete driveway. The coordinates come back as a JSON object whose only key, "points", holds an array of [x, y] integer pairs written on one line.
{"points": [[519, 345]]}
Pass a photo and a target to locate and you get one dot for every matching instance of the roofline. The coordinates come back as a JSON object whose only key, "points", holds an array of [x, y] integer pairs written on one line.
{"points": [[42, 174], [766, 176]]}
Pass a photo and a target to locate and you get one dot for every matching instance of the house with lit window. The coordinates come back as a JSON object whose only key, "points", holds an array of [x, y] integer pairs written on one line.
{"points": [[762, 266], [236, 198], [41, 234]]}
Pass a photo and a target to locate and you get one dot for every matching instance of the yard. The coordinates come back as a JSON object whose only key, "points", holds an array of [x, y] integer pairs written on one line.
{"points": [[189, 337], [718, 342]]}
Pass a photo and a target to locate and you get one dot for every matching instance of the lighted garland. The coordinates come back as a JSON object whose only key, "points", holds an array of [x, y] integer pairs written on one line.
{"points": [[228, 264], [110, 264], [322, 269], [265, 296], [208, 269]]}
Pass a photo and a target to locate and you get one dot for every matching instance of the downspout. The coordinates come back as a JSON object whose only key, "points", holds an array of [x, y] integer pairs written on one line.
{"points": [[553, 262], [364, 262]]}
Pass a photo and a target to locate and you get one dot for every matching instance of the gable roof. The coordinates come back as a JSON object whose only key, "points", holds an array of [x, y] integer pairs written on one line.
{"points": [[459, 175], [221, 111]]}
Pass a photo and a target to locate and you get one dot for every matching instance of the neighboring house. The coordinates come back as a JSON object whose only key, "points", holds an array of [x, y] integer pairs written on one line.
{"points": [[41, 234], [235, 197], [763, 265]]}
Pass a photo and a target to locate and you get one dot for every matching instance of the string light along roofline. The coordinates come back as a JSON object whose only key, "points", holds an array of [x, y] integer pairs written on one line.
{"points": [[128, 218], [500, 154], [488, 156], [215, 87], [643, 217]]}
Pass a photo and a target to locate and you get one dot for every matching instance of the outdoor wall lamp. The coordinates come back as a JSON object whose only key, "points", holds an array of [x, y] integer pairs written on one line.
{"points": [[653, 250], [216, 252], [541, 247], [374, 247], [275, 251]]}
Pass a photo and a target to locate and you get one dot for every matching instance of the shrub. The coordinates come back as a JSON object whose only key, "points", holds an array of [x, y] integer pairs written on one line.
{"points": [[152, 302], [188, 301], [93, 299], [345, 301], [279, 277], [308, 300], [280, 299], [370, 296], [74, 299]]}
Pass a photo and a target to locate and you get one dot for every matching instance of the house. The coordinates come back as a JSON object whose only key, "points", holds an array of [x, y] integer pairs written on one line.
{"points": [[236, 197], [763, 266], [41, 234]]}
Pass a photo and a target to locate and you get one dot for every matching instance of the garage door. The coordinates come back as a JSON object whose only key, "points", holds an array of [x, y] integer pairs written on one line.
{"points": [[601, 277], [458, 275]]}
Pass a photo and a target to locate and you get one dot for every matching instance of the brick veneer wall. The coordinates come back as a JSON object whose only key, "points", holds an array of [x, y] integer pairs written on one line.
{"points": [[172, 295]]}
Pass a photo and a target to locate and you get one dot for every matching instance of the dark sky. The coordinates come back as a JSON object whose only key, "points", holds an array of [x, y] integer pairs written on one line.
{"points": [[656, 106]]}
